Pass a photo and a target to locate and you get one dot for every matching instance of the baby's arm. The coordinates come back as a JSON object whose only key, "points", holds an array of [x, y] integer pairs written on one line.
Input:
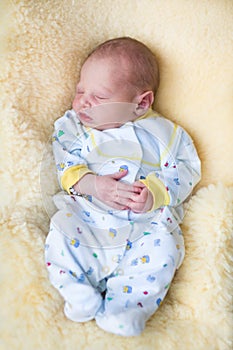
{"points": [[171, 184], [67, 145], [180, 169]]}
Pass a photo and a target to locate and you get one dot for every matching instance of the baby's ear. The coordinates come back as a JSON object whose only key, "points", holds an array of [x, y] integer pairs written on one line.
{"points": [[145, 100]]}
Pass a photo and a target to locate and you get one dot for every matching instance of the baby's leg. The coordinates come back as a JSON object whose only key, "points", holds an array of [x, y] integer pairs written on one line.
{"points": [[63, 258], [139, 286]]}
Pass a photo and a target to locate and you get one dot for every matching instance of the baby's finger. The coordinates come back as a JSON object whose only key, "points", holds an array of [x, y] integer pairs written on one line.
{"points": [[125, 196], [139, 184], [140, 197], [137, 207], [119, 174], [123, 187]]}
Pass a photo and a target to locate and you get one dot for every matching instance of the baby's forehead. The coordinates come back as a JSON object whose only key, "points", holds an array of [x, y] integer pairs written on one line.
{"points": [[118, 65], [118, 61]]}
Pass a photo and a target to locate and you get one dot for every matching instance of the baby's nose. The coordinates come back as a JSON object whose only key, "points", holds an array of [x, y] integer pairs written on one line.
{"points": [[85, 101]]}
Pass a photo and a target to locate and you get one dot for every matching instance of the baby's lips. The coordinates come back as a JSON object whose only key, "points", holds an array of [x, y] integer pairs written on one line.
{"points": [[84, 117]]}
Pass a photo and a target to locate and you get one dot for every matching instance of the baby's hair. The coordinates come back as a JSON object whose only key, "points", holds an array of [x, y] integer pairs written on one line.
{"points": [[142, 67]]}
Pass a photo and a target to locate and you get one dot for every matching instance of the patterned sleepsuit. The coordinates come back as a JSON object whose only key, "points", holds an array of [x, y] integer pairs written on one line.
{"points": [[116, 266]]}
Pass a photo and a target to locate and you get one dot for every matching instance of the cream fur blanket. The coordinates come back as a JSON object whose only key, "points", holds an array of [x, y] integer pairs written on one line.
{"points": [[42, 45]]}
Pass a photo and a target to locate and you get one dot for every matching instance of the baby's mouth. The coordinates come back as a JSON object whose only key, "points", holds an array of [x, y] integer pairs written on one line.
{"points": [[84, 117]]}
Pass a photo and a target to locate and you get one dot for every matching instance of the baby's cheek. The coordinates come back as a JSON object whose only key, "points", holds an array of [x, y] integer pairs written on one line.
{"points": [[75, 105]]}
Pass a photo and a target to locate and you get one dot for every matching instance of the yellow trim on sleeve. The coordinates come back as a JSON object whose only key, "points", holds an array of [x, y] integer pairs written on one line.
{"points": [[158, 190], [73, 175]]}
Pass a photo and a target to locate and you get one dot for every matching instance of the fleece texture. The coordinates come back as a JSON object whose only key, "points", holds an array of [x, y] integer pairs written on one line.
{"points": [[43, 44]]}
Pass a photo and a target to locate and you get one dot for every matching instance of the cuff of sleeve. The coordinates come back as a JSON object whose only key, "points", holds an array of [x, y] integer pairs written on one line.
{"points": [[73, 175], [158, 190]]}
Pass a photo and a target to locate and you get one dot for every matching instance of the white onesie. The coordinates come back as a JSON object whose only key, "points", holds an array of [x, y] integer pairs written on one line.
{"points": [[116, 266]]}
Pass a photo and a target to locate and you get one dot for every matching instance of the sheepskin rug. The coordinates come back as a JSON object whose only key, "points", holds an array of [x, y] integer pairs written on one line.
{"points": [[42, 46]]}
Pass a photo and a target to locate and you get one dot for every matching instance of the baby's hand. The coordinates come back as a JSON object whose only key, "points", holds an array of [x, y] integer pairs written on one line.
{"points": [[108, 189], [142, 201]]}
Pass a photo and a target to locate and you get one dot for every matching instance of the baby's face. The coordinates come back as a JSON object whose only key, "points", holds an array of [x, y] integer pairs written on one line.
{"points": [[102, 82]]}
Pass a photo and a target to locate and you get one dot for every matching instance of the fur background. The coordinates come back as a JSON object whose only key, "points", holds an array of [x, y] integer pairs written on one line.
{"points": [[42, 46]]}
